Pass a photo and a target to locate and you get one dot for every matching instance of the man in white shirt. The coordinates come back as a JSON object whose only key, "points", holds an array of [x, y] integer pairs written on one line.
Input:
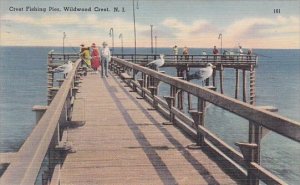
{"points": [[175, 52], [105, 58]]}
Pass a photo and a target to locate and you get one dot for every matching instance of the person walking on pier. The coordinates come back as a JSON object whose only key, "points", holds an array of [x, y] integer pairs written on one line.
{"points": [[105, 58], [215, 52], [95, 58], [241, 52], [186, 53], [175, 52], [85, 56]]}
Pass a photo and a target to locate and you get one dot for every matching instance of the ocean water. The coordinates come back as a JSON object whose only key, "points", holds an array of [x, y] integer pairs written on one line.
{"points": [[23, 83]]}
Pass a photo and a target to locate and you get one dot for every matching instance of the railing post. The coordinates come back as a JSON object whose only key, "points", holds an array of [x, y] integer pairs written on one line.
{"points": [[198, 117], [39, 111], [244, 86], [214, 77], [134, 72], [221, 78], [252, 85], [257, 132], [248, 150], [153, 90], [171, 103], [237, 83], [143, 84]]}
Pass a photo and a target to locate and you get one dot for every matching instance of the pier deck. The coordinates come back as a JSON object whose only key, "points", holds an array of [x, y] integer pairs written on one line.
{"points": [[124, 142]]}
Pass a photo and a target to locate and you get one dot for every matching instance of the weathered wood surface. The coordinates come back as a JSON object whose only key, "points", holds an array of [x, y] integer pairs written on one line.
{"points": [[123, 142], [7, 157]]}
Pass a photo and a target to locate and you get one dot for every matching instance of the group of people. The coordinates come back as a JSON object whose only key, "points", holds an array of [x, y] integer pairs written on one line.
{"points": [[240, 51], [185, 52], [94, 59], [215, 52]]}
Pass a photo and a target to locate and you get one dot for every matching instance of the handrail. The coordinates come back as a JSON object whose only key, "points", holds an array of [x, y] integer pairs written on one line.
{"points": [[25, 168], [261, 118], [175, 60], [279, 124]]}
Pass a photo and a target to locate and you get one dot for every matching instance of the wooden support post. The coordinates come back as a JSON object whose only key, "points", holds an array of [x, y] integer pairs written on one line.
{"points": [[39, 111], [171, 103], [50, 83], [141, 82], [52, 154], [170, 100], [236, 83], [200, 139], [214, 77], [153, 91], [134, 72], [252, 85], [201, 108], [256, 133], [198, 117], [69, 107], [51, 93], [247, 150], [190, 107], [188, 94], [179, 91], [221, 79], [244, 86], [207, 82], [60, 82], [179, 99]]}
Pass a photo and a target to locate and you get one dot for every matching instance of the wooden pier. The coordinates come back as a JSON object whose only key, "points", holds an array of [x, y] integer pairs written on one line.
{"points": [[123, 142], [119, 131]]}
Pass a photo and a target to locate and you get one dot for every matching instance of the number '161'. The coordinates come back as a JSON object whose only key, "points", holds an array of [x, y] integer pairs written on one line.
{"points": [[276, 10]]}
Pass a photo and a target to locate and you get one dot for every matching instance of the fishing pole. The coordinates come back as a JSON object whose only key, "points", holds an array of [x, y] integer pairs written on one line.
{"points": [[252, 53], [262, 55], [76, 51]]}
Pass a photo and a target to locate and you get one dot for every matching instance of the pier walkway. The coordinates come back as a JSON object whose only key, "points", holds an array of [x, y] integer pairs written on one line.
{"points": [[124, 142]]}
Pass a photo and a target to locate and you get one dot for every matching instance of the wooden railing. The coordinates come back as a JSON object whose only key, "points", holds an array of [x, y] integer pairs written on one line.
{"points": [[170, 59], [25, 166], [260, 118]]}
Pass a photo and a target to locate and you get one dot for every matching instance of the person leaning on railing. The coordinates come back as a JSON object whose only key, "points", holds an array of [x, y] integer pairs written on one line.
{"points": [[215, 52], [249, 53], [186, 53]]}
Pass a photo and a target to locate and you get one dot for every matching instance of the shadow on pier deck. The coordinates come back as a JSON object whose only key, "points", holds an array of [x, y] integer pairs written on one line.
{"points": [[124, 142]]}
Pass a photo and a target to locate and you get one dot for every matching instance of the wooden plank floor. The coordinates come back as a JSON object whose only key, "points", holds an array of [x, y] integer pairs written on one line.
{"points": [[123, 142]]}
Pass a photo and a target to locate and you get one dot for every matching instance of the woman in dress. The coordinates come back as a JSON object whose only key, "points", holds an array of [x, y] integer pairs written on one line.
{"points": [[95, 57]]}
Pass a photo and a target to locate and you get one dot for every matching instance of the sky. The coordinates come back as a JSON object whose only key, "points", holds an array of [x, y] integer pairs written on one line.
{"points": [[191, 23]]}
